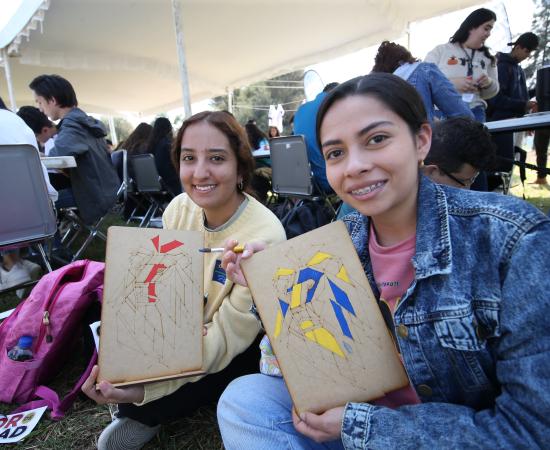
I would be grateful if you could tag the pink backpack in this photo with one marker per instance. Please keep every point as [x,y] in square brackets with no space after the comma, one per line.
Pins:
[53,315]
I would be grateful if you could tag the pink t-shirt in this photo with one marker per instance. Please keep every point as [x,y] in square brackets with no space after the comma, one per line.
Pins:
[393,271]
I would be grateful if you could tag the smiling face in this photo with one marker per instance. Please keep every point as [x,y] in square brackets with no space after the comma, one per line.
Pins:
[478,36]
[208,172]
[372,158]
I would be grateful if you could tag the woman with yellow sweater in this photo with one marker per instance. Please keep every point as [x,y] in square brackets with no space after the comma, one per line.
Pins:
[213,157]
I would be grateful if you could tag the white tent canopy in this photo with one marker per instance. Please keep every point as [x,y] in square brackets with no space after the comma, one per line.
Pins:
[121,55]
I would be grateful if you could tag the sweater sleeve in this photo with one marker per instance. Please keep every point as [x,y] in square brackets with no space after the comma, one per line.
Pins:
[491,90]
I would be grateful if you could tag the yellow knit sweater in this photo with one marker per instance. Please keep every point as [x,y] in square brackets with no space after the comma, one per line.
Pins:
[231,327]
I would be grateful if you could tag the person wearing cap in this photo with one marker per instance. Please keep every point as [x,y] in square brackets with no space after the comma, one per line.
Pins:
[513,98]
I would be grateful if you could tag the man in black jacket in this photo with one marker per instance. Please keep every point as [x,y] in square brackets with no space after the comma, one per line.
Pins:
[513,98]
[94,181]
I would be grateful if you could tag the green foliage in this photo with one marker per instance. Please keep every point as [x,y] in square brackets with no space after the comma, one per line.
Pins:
[541,27]
[123,128]
[252,102]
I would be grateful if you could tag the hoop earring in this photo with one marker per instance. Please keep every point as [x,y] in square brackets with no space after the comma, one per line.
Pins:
[240,185]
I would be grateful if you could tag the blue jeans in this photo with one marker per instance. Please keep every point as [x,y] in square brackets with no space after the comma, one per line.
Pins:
[479,113]
[254,412]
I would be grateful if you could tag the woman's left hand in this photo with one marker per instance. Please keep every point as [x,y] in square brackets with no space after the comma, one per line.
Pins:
[320,427]
[483,81]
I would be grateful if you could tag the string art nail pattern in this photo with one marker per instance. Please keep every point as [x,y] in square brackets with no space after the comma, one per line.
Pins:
[317,317]
[156,295]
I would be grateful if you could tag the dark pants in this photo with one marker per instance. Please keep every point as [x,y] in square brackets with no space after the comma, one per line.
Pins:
[191,396]
[542,136]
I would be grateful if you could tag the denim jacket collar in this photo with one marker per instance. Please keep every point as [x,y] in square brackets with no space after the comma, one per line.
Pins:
[433,243]
[433,253]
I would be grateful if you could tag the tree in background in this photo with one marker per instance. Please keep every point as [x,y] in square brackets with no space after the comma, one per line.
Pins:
[123,128]
[541,27]
[252,102]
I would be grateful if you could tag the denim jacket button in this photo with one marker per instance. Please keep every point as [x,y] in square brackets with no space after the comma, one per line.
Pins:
[424,390]
[403,331]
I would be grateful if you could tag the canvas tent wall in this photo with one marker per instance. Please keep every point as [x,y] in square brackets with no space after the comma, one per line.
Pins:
[121,55]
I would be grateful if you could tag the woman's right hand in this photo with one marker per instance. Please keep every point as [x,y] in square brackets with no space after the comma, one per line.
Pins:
[464,84]
[231,261]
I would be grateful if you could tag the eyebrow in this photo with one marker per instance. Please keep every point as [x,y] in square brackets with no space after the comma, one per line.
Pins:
[210,150]
[360,133]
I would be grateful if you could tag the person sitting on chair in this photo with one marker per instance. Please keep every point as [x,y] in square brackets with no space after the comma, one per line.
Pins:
[94,181]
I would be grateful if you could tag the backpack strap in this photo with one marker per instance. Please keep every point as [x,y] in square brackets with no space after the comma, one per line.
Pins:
[48,397]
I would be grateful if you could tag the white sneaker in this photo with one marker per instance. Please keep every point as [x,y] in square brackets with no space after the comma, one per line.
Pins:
[34,270]
[16,275]
[126,434]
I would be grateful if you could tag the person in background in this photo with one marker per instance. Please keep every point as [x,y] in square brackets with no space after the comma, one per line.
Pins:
[257,138]
[45,132]
[461,148]
[261,179]
[212,155]
[513,98]
[273,132]
[136,142]
[467,63]
[432,85]
[304,124]
[451,266]
[94,181]
[160,144]
[110,146]
[43,128]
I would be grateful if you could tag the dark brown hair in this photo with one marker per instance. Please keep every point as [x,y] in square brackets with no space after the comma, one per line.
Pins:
[235,134]
[390,56]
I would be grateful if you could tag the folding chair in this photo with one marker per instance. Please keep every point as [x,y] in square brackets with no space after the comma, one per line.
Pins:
[149,186]
[306,206]
[291,173]
[28,217]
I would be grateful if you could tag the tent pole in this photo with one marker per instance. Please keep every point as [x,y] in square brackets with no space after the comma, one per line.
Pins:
[177,13]
[8,79]
[230,100]
[112,129]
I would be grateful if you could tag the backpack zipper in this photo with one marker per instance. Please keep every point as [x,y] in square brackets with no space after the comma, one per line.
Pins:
[46,322]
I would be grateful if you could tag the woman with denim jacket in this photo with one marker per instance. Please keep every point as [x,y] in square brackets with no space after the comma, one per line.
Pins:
[470,320]
[432,85]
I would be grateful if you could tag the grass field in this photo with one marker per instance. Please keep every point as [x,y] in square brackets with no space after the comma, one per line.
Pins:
[84,422]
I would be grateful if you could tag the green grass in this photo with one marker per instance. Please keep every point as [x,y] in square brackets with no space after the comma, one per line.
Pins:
[84,422]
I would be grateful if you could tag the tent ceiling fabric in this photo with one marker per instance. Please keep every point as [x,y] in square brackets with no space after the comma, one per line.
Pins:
[121,54]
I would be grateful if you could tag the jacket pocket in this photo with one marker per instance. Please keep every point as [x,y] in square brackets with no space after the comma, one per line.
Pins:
[466,351]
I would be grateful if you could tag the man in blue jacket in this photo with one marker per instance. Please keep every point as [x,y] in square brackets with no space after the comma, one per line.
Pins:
[304,124]
[94,181]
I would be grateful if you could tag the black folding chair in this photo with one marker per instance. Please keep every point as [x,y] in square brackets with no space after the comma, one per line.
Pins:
[148,185]
[306,206]
[27,217]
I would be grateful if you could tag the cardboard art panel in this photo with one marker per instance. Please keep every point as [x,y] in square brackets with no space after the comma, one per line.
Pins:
[152,312]
[323,321]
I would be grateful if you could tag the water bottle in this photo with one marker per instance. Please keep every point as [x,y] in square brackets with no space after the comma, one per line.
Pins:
[22,351]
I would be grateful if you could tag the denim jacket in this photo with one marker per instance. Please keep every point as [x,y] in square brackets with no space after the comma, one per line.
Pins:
[470,328]
[435,89]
